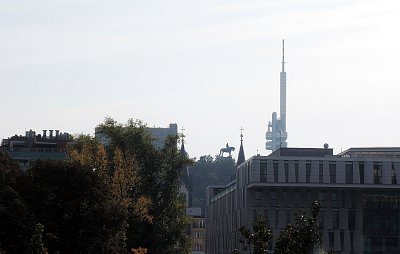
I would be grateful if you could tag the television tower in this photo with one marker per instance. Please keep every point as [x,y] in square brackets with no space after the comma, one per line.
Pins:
[276,135]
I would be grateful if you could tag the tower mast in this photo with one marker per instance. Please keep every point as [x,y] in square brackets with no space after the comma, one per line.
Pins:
[276,135]
[283,90]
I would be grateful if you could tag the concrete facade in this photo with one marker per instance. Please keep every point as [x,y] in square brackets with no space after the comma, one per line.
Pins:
[360,199]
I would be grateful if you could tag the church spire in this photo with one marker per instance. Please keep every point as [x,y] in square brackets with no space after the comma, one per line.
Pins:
[183,151]
[186,182]
[241,157]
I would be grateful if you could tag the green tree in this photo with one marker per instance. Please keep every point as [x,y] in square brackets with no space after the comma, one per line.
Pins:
[303,235]
[156,189]
[16,221]
[258,240]
[76,208]
[36,245]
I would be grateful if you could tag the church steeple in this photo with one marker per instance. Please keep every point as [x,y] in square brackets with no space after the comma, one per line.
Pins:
[183,151]
[241,157]
[186,182]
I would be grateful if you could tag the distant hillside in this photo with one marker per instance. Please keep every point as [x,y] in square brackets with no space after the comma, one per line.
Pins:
[208,171]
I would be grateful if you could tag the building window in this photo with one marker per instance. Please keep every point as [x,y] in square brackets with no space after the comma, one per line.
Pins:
[273,195]
[266,216]
[321,219]
[334,199]
[263,171]
[321,172]
[296,171]
[321,198]
[394,178]
[361,169]
[308,171]
[349,172]
[377,172]
[351,241]
[198,247]
[331,237]
[276,217]
[332,171]
[352,199]
[351,217]
[288,216]
[286,164]
[258,195]
[197,235]
[258,198]
[335,219]
[202,224]
[276,168]
[341,240]
[343,199]
[248,172]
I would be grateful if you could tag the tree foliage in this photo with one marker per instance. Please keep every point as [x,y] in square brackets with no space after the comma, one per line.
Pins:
[303,235]
[258,240]
[58,206]
[145,180]
[298,238]
[16,221]
[105,199]
[36,245]
[76,208]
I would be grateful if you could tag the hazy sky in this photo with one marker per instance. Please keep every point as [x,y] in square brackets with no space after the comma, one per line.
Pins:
[211,66]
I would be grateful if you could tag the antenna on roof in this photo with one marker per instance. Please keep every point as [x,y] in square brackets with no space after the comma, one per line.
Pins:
[283,55]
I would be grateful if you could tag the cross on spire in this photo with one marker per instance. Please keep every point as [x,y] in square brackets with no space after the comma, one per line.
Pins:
[241,157]
[182,135]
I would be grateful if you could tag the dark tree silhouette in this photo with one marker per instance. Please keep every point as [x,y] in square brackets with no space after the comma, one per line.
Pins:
[303,235]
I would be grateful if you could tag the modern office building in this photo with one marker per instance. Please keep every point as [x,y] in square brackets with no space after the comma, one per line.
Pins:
[276,135]
[161,134]
[359,190]
[26,149]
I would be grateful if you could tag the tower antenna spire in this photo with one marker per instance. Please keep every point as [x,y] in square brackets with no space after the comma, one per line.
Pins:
[283,55]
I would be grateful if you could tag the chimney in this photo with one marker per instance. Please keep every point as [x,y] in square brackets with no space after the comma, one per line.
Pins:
[57,133]
[51,134]
[44,133]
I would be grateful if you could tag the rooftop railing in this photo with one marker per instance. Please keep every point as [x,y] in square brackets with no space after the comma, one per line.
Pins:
[33,150]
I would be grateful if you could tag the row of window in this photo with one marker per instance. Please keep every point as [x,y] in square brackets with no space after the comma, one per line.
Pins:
[198,235]
[199,224]
[289,214]
[349,171]
[305,197]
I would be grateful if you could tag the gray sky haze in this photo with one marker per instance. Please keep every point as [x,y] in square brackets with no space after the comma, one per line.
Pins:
[210,66]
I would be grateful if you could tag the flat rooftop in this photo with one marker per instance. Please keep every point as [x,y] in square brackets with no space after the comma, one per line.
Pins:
[371,152]
[302,152]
